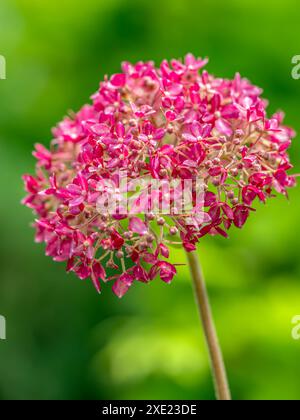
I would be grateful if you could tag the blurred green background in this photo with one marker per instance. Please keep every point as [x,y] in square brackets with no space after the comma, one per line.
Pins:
[63,340]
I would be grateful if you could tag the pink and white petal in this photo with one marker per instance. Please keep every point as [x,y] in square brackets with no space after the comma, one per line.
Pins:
[136,225]
[224,127]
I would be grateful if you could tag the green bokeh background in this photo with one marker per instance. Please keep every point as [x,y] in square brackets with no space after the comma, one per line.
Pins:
[63,340]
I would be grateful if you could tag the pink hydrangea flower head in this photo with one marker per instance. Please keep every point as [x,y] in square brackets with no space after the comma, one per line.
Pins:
[175,122]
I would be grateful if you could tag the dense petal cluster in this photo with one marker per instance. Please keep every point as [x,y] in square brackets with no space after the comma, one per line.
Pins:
[172,122]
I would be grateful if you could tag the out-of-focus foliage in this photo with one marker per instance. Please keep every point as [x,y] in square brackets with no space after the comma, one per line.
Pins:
[63,340]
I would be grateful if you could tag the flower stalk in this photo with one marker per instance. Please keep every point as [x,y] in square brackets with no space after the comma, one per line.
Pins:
[215,352]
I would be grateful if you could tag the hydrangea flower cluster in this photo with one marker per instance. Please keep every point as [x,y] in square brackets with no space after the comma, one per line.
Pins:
[172,122]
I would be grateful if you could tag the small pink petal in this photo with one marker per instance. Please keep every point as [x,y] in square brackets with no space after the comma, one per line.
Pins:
[224,127]
[137,226]
[122,285]
[118,80]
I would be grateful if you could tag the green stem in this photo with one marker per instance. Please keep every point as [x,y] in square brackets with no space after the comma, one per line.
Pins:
[217,362]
